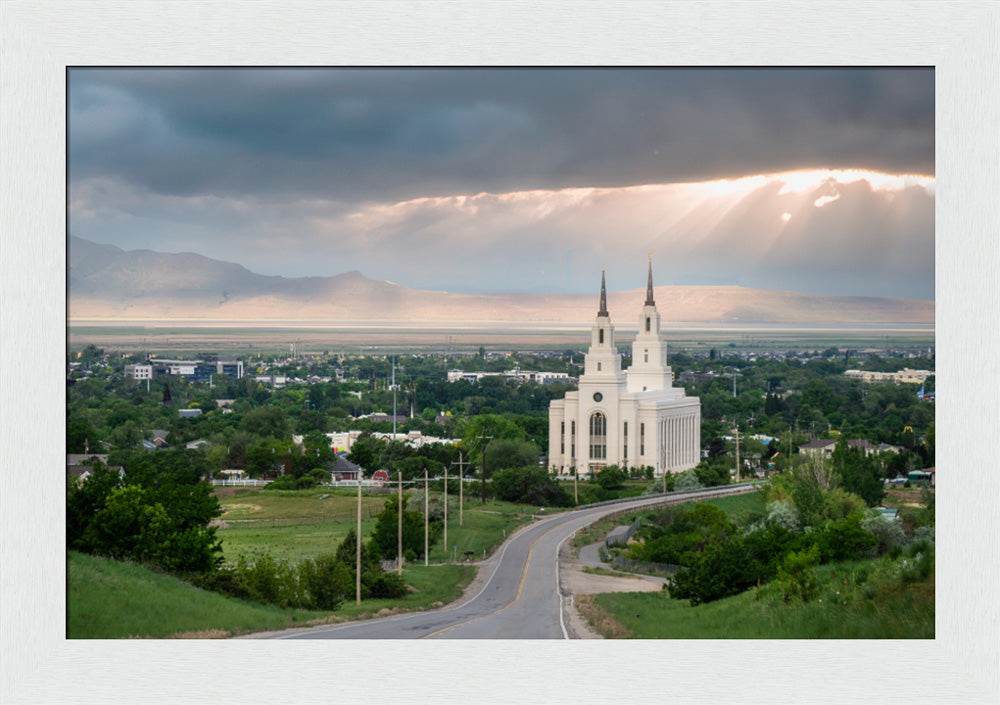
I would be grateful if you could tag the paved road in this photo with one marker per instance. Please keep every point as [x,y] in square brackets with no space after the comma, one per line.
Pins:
[520,600]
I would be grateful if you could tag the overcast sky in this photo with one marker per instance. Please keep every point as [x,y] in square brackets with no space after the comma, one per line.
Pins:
[520,179]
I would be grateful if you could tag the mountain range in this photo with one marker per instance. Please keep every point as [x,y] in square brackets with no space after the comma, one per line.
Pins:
[108,283]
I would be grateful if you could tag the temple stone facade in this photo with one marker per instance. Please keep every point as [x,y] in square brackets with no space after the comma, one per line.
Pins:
[629,418]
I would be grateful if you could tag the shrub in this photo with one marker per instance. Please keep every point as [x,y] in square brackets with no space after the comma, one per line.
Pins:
[924,533]
[783,513]
[326,580]
[887,532]
[612,477]
[796,575]
[382,584]
[845,539]
[270,581]
[687,480]
[721,570]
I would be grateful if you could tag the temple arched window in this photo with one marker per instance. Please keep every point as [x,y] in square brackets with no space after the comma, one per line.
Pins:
[598,436]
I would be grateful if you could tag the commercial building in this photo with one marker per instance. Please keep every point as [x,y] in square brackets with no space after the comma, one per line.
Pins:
[904,376]
[516,375]
[139,371]
[193,370]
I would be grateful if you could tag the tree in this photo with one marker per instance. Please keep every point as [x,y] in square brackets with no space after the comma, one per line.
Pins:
[317,448]
[858,472]
[87,498]
[366,451]
[160,514]
[126,436]
[262,457]
[509,453]
[384,542]
[530,485]
[712,474]
[81,436]
[491,426]
[612,477]
[266,421]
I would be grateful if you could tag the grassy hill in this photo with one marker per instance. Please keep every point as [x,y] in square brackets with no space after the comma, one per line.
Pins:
[857,600]
[110,599]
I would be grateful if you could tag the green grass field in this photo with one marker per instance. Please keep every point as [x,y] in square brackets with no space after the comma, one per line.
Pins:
[292,525]
[853,603]
[484,527]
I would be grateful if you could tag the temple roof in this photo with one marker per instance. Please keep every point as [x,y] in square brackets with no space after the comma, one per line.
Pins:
[649,283]
[604,298]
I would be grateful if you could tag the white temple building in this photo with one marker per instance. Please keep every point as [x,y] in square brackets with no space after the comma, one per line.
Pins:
[626,418]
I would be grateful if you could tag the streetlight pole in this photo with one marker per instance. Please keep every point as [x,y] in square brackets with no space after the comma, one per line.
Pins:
[399,526]
[734,374]
[357,571]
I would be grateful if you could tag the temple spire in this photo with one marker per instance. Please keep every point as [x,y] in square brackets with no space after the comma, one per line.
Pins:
[649,282]
[604,298]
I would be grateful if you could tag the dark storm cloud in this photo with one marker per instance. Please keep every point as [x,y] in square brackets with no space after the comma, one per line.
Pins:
[380,134]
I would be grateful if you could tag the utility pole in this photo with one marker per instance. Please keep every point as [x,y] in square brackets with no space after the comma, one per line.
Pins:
[357,572]
[576,498]
[426,520]
[461,487]
[446,509]
[483,474]
[393,397]
[737,451]
[399,527]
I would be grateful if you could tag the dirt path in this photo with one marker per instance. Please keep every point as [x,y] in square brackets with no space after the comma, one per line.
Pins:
[574,583]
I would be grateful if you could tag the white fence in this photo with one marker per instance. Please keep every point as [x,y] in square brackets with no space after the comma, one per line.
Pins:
[335,483]
[241,483]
